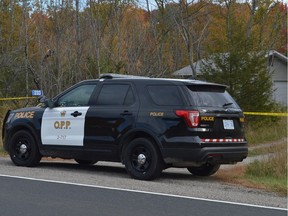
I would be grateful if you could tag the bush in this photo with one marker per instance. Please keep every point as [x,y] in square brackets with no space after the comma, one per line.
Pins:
[264,131]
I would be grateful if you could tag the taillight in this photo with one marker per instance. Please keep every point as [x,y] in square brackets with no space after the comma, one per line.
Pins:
[191,117]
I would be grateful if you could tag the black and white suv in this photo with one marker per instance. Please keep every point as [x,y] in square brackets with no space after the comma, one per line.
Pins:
[148,124]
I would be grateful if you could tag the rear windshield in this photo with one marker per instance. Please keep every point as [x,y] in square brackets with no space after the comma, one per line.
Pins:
[210,96]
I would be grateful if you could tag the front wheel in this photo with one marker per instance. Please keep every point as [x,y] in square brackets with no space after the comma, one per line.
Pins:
[23,149]
[204,170]
[142,160]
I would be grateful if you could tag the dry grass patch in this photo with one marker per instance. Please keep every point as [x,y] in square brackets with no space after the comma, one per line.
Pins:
[236,175]
[269,174]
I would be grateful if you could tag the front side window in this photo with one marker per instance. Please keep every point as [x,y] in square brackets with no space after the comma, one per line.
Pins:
[79,96]
[116,94]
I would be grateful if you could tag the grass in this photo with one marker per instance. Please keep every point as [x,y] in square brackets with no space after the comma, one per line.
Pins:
[2,152]
[240,176]
[235,175]
[266,131]
[269,173]
[3,109]
[274,148]
[278,186]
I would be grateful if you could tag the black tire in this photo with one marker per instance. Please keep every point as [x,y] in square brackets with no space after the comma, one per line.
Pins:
[142,160]
[23,149]
[85,162]
[205,170]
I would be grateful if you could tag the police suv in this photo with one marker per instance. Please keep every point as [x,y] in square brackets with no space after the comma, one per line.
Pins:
[148,124]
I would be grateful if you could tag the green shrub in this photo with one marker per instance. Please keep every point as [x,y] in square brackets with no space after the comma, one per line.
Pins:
[258,132]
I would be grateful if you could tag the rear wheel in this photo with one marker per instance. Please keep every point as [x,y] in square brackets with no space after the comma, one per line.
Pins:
[23,149]
[205,170]
[85,162]
[142,160]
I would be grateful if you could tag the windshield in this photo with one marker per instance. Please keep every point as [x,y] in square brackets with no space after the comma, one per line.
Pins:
[211,96]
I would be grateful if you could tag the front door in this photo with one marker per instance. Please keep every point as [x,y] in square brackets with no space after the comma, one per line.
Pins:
[64,125]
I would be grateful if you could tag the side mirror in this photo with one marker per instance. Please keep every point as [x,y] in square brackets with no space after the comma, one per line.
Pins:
[46,101]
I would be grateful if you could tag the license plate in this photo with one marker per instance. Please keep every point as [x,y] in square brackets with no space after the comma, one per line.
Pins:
[228,124]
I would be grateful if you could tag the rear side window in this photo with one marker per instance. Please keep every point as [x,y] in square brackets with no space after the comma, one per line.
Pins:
[165,95]
[210,96]
[112,94]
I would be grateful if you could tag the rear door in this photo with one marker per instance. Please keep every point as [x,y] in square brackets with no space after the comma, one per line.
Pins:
[113,113]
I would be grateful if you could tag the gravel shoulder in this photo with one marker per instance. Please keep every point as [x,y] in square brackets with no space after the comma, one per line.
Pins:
[172,181]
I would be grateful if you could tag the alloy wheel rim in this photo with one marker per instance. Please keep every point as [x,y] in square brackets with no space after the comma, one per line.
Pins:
[22,150]
[141,159]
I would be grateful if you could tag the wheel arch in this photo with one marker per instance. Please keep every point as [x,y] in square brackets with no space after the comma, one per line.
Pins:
[139,133]
[24,127]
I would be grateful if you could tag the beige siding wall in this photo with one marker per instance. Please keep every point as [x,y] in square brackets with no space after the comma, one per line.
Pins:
[279,70]
[279,78]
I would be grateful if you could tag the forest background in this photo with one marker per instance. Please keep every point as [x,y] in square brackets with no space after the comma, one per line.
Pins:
[53,44]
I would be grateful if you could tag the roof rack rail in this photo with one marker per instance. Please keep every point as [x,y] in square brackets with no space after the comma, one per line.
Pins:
[113,76]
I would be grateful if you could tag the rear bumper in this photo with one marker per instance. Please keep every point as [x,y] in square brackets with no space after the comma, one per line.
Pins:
[212,153]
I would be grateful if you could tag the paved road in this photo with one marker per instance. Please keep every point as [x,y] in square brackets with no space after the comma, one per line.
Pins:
[28,197]
[172,181]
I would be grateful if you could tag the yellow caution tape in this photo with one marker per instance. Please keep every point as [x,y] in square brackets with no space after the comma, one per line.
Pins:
[16,98]
[246,113]
[266,114]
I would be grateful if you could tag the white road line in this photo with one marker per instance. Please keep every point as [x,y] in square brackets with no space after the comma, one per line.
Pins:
[144,192]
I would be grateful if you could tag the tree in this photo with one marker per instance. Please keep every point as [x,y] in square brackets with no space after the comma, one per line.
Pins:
[52,44]
[192,29]
[12,59]
[246,76]
[241,61]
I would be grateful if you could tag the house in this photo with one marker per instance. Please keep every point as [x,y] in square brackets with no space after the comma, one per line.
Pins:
[277,64]
[278,67]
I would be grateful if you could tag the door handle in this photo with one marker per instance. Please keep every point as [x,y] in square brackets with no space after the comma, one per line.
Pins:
[76,113]
[125,113]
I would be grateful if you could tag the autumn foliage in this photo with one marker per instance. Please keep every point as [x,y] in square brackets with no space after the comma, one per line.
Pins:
[51,45]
